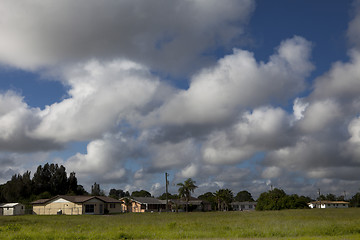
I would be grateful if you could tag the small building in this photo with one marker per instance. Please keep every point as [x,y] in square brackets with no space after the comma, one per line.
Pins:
[328,204]
[143,204]
[76,205]
[11,209]
[194,204]
[243,206]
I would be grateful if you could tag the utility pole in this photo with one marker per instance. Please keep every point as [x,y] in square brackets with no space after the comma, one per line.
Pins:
[166,190]
[319,197]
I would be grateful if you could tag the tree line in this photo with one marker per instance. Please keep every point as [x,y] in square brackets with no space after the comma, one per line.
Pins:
[48,181]
[51,180]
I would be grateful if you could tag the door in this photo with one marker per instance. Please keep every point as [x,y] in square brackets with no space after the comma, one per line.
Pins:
[101,209]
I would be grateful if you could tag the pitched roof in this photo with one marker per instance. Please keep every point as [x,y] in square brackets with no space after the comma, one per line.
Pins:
[147,200]
[9,204]
[77,199]
[329,202]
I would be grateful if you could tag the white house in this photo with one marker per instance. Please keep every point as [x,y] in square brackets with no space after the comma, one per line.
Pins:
[9,209]
[328,204]
[243,206]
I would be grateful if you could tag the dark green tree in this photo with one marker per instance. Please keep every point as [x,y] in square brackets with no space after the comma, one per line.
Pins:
[210,197]
[355,200]
[116,193]
[141,193]
[185,190]
[96,191]
[224,197]
[170,196]
[244,196]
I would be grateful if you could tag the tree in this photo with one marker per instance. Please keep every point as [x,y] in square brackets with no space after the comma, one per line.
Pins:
[277,199]
[116,193]
[72,183]
[224,197]
[210,197]
[355,200]
[141,193]
[170,196]
[96,191]
[185,190]
[244,196]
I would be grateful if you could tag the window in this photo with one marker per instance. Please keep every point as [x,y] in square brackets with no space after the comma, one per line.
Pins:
[112,205]
[250,206]
[89,208]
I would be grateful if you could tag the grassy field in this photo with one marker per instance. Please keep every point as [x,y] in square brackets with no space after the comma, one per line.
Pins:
[289,224]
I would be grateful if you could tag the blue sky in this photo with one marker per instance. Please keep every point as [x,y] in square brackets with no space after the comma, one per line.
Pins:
[236,94]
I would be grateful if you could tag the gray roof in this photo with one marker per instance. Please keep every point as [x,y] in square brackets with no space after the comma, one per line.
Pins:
[77,199]
[147,200]
[243,203]
[9,205]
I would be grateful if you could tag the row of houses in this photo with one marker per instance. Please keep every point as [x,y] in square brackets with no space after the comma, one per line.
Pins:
[79,205]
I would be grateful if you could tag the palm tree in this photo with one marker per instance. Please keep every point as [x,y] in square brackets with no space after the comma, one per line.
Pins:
[185,190]
[224,197]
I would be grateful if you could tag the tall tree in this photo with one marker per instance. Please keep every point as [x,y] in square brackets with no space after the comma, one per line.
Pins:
[355,200]
[141,193]
[210,197]
[224,197]
[185,190]
[244,196]
[96,191]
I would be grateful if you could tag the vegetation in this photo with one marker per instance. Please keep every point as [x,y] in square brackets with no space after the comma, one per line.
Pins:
[141,193]
[286,224]
[223,198]
[244,196]
[49,180]
[185,190]
[277,199]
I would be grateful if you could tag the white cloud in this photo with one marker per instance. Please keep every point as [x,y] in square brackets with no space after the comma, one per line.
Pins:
[319,116]
[100,97]
[239,82]
[263,129]
[40,33]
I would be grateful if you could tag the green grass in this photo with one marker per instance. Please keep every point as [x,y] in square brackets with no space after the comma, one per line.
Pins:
[289,224]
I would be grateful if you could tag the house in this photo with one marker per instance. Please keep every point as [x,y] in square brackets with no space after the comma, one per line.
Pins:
[76,205]
[10,209]
[328,204]
[243,206]
[143,204]
[194,204]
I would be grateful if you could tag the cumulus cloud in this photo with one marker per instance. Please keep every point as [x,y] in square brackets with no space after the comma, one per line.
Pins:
[239,82]
[40,33]
[17,120]
[105,159]
[101,96]
[263,129]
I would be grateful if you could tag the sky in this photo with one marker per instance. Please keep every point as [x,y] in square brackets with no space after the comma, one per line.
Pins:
[238,94]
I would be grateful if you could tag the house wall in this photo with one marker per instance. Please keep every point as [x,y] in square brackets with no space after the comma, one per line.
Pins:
[1,211]
[117,207]
[19,209]
[67,208]
[136,207]
[99,206]
[8,211]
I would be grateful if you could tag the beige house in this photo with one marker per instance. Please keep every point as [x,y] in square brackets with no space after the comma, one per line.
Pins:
[10,209]
[328,204]
[143,204]
[243,206]
[76,205]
